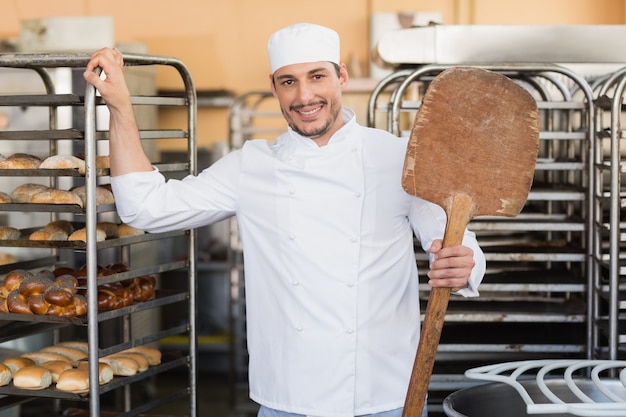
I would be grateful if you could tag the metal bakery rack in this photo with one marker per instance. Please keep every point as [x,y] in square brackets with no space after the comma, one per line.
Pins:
[107,332]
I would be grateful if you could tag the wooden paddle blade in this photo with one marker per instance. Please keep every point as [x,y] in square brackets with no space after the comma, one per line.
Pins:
[476,133]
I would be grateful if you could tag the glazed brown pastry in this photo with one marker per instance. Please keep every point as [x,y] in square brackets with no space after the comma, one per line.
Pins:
[37,304]
[13,280]
[32,377]
[63,162]
[17,303]
[142,288]
[35,285]
[53,196]
[9,233]
[23,193]
[20,161]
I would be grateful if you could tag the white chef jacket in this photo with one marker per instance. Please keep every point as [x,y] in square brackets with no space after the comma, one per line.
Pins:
[330,273]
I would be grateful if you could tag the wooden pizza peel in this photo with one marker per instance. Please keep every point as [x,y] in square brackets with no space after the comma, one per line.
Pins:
[472,150]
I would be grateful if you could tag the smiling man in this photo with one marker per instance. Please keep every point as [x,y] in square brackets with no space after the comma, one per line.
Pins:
[332,304]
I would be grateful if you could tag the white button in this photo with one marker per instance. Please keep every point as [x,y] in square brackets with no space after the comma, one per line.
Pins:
[292,236]
[353,239]
[354,149]
[292,192]
[349,331]
[350,284]
[357,194]
[295,283]
[290,156]
[299,328]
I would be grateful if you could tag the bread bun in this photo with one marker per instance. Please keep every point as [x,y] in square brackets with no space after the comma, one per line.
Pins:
[142,361]
[66,282]
[64,225]
[17,362]
[58,296]
[23,193]
[125,230]
[105,372]
[35,285]
[74,380]
[7,258]
[103,162]
[110,229]
[9,233]
[75,344]
[81,235]
[153,355]
[32,377]
[54,196]
[56,368]
[5,198]
[63,162]
[73,354]
[14,278]
[103,195]
[38,304]
[121,365]
[5,375]
[40,357]
[20,161]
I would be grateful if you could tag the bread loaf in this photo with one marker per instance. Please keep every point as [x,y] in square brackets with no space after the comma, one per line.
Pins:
[9,233]
[40,357]
[17,362]
[48,234]
[121,365]
[125,230]
[72,354]
[103,196]
[23,193]
[110,229]
[75,344]
[5,198]
[105,372]
[56,368]
[81,234]
[54,196]
[7,258]
[64,225]
[74,380]
[142,361]
[5,375]
[32,377]
[63,162]
[153,355]
[20,161]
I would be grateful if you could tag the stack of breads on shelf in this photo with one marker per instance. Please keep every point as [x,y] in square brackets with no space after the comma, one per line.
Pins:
[63,230]
[62,292]
[65,364]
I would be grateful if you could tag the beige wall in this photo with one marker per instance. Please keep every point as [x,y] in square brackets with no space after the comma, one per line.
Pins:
[223,41]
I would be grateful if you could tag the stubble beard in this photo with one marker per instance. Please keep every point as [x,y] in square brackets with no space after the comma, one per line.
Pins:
[314,132]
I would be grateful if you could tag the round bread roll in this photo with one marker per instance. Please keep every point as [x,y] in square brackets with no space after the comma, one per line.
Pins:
[7,258]
[121,365]
[153,355]
[142,361]
[74,380]
[54,196]
[17,362]
[63,162]
[75,344]
[5,375]
[23,193]
[32,377]
[20,161]
[109,228]
[105,372]
[73,354]
[103,195]
[41,357]
[17,303]
[5,198]
[56,368]
[81,234]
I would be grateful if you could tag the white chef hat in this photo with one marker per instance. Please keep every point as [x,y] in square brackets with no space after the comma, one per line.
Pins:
[302,42]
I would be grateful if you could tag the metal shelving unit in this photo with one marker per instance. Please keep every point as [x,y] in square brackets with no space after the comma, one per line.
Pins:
[93,139]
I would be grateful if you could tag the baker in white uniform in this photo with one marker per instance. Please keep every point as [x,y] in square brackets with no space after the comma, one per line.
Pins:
[327,230]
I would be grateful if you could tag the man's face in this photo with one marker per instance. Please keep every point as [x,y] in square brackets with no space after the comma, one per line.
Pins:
[310,98]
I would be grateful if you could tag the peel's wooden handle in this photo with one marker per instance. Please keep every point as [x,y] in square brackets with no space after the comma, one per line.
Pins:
[458,217]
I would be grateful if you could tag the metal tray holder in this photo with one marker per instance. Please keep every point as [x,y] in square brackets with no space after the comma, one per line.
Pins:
[511,373]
